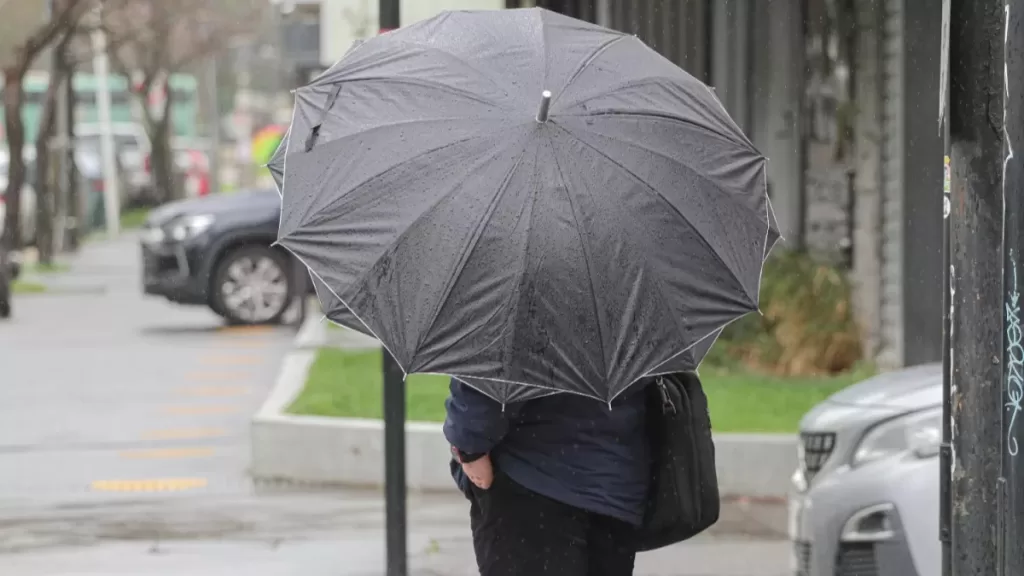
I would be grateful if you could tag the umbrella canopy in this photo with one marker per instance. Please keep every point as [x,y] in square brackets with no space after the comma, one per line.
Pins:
[528,202]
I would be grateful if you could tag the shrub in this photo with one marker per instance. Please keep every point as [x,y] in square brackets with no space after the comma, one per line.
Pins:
[807,324]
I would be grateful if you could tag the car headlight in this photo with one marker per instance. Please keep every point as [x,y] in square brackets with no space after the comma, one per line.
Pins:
[919,433]
[191,226]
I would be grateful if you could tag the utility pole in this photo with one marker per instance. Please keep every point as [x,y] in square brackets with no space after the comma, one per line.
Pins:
[394,412]
[213,111]
[946,448]
[1011,481]
[101,68]
[976,161]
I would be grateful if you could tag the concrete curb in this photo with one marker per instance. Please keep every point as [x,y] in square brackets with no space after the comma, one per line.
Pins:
[753,469]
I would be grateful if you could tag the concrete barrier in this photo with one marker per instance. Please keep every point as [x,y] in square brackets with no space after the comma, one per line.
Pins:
[349,451]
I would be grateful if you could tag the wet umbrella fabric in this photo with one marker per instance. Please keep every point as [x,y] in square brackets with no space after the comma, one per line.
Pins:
[524,254]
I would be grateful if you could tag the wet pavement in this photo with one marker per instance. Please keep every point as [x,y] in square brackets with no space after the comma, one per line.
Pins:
[124,446]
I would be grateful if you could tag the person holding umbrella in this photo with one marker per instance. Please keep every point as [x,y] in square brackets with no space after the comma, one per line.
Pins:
[557,485]
[552,214]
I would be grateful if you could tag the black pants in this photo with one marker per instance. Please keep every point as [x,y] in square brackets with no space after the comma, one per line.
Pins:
[517,532]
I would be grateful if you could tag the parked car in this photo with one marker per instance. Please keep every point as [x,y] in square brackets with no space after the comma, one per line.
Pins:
[28,195]
[133,149]
[192,162]
[215,251]
[865,498]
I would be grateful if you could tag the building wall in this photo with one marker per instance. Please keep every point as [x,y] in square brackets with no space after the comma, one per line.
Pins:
[345,21]
[921,241]
[868,187]
[776,96]
[891,315]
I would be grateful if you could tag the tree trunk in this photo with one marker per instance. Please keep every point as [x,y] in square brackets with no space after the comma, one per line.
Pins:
[13,96]
[45,182]
[75,207]
[161,156]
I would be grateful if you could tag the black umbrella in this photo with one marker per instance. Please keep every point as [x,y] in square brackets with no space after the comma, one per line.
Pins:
[527,202]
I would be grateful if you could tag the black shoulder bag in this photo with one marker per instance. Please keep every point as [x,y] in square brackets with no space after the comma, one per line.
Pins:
[683,500]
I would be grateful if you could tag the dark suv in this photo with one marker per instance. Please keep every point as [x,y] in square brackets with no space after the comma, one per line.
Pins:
[216,251]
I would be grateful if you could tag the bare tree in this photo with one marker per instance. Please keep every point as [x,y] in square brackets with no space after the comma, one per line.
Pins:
[166,38]
[46,199]
[64,15]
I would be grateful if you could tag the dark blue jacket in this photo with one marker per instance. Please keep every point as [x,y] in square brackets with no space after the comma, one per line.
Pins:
[569,448]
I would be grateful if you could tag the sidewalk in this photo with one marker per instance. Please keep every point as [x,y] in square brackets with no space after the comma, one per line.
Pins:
[336,534]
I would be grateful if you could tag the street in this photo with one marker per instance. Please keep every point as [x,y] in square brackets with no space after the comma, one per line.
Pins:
[124,449]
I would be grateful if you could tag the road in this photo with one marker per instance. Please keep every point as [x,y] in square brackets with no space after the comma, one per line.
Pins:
[124,446]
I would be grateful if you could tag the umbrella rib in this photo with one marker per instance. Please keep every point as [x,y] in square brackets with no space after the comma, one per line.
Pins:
[586,258]
[676,210]
[657,80]
[424,83]
[455,57]
[586,62]
[687,167]
[467,252]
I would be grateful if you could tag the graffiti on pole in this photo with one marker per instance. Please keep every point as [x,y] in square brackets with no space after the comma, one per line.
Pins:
[1015,362]
[947,177]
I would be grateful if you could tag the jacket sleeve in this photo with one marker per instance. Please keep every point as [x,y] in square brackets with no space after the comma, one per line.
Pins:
[474,424]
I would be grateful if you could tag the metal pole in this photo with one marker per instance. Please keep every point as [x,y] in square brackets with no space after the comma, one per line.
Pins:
[111,194]
[1011,485]
[946,449]
[213,96]
[976,158]
[394,412]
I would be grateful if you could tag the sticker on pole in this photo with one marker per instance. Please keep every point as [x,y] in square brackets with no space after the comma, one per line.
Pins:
[946,178]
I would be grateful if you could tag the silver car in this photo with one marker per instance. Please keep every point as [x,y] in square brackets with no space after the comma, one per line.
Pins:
[865,499]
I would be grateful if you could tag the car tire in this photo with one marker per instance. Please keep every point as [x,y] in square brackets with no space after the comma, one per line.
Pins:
[252,285]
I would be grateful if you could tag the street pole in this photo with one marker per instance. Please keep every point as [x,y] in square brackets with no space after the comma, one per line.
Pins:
[111,194]
[394,412]
[213,110]
[1011,481]
[976,159]
[946,448]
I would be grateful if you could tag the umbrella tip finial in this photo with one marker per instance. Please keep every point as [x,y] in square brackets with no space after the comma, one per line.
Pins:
[545,105]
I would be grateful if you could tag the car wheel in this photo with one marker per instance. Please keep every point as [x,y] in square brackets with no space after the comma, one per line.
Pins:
[251,285]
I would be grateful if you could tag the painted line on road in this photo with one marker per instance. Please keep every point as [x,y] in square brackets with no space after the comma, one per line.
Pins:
[215,391]
[151,485]
[200,410]
[185,434]
[244,330]
[232,360]
[239,344]
[218,376]
[167,453]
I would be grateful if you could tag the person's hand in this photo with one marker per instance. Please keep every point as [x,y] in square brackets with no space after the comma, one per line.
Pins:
[480,472]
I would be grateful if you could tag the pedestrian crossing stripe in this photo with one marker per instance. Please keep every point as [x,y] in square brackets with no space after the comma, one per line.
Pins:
[151,485]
